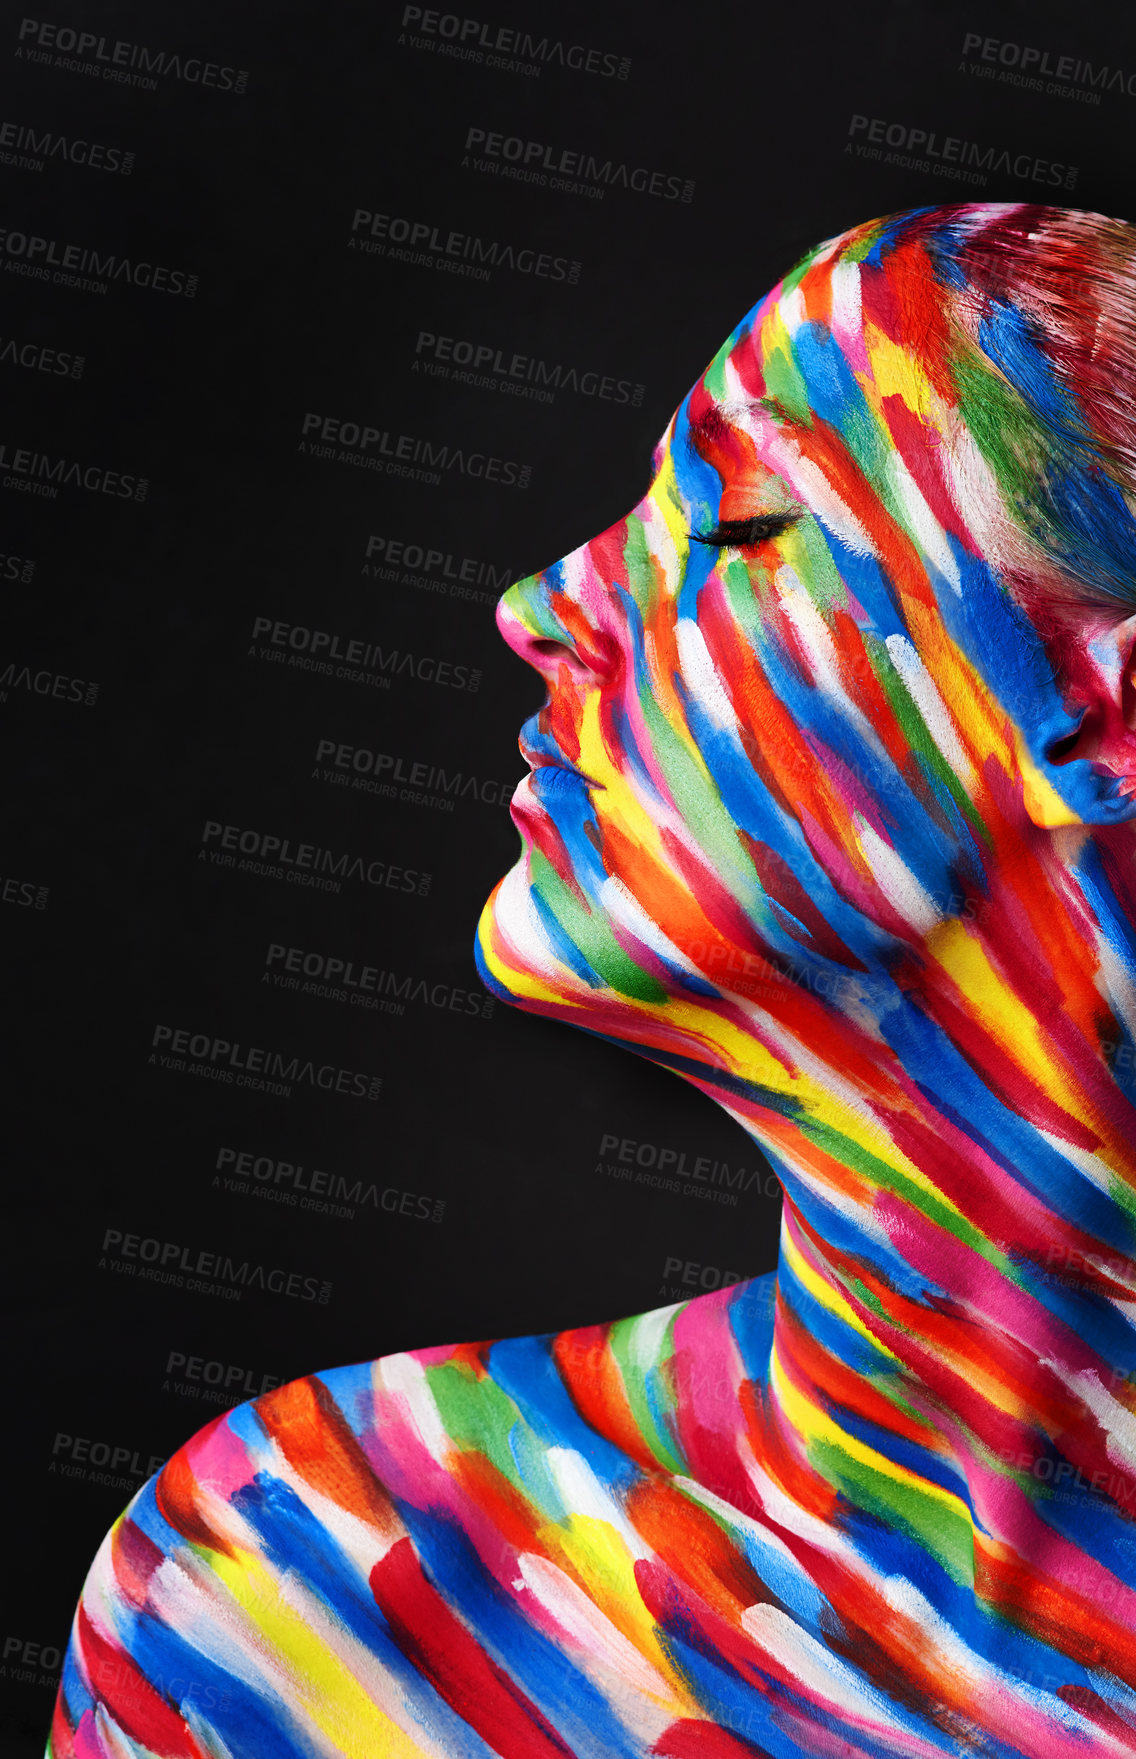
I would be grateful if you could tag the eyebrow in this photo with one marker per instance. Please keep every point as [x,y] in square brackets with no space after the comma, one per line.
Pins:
[709,426]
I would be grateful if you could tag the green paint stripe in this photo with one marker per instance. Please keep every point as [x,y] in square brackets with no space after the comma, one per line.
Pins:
[947,1533]
[914,727]
[476,1414]
[590,934]
[620,1339]
[695,794]
[927,1202]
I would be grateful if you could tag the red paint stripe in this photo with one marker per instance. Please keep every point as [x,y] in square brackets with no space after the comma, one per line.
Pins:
[817,1370]
[62,1742]
[119,1683]
[135,1558]
[511,1514]
[176,1494]
[917,444]
[680,1612]
[689,1739]
[445,1652]
[591,1376]
[891,1649]
[315,1438]
[1092,1706]
[1071,1624]
[696,1548]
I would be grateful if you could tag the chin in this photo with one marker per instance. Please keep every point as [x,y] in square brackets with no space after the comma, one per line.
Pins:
[511,948]
[524,957]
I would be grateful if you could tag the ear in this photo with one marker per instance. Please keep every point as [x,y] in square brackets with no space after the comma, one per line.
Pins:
[1098,666]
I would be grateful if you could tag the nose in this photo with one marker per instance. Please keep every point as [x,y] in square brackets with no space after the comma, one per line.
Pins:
[1102,673]
[565,619]
[532,629]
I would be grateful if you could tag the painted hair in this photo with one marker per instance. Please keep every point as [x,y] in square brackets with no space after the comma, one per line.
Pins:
[1046,297]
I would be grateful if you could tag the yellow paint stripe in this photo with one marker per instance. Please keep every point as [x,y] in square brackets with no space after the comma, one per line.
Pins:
[592,1551]
[321,1683]
[667,500]
[989,997]
[1042,801]
[896,372]
[518,979]
[813,1424]
[823,1292]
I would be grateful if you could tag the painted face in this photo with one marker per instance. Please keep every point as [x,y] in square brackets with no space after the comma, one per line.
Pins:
[832,811]
[867,638]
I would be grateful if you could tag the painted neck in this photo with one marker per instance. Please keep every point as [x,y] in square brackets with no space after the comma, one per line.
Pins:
[955,1335]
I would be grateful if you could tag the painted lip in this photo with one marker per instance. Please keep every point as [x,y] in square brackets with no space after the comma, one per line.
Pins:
[544,757]
[546,789]
[549,784]
[547,767]
[1124,781]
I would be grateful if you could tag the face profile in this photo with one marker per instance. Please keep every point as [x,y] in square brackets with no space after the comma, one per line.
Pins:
[830,811]
[878,597]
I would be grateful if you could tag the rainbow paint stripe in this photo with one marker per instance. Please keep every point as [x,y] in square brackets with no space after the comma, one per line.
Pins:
[830,814]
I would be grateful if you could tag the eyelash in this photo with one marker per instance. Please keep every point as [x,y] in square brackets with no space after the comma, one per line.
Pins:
[744,533]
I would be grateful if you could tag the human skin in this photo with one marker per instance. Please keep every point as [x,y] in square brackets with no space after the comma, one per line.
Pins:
[832,813]
[834,820]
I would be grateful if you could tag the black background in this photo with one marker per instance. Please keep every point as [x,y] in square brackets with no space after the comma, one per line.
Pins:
[519,1142]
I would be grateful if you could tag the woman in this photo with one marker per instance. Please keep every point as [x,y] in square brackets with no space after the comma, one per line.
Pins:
[830,811]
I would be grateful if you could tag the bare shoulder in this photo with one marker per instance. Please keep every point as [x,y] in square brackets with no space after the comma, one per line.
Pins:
[359,1545]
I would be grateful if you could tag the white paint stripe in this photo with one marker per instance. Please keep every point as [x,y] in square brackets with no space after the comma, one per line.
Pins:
[593,1632]
[820,648]
[403,1376]
[847,321]
[936,717]
[896,880]
[818,1669]
[701,676]
[582,1493]
[925,526]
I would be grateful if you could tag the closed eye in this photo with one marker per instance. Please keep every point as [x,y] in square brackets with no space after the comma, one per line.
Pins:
[744,533]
